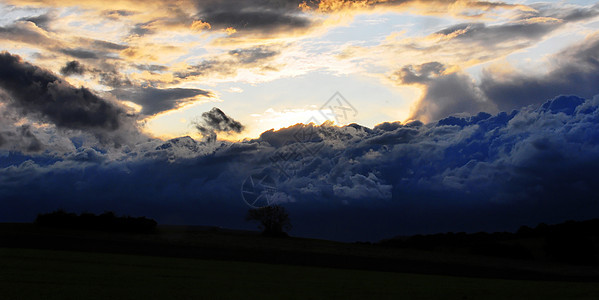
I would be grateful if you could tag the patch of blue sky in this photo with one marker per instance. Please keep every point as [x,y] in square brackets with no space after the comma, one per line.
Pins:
[367,29]
[420,25]
[12,13]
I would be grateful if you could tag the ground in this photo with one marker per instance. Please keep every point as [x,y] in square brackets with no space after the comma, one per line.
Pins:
[256,267]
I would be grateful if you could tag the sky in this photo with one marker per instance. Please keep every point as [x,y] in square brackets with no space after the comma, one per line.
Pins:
[365,118]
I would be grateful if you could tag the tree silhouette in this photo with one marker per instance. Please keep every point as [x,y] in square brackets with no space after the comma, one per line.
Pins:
[274,219]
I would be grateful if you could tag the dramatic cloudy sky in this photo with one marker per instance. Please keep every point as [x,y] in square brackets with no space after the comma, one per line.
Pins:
[450,114]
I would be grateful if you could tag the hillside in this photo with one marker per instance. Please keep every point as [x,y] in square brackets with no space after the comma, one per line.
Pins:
[220,244]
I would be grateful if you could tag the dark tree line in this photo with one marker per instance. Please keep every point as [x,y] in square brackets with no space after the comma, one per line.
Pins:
[570,242]
[107,221]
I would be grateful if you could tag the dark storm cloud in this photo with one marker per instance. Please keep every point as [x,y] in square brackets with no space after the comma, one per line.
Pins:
[72,67]
[155,100]
[258,19]
[37,92]
[575,70]
[261,15]
[216,121]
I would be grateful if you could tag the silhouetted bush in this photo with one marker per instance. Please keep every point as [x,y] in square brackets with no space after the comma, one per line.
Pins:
[570,242]
[107,221]
[274,220]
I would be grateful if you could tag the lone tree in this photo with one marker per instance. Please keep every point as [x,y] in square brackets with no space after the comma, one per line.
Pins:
[274,220]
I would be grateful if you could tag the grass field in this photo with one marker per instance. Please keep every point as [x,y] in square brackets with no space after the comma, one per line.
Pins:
[47,274]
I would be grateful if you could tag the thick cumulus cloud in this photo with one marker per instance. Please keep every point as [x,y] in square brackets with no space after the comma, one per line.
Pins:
[450,94]
[42,96]
[481,172]
[572,71]
[17,137]
[444,94]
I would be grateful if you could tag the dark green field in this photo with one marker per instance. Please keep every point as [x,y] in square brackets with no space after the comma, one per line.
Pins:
[196,263]
[47,274]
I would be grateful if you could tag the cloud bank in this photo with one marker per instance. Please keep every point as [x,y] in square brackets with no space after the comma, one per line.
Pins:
[481,172]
